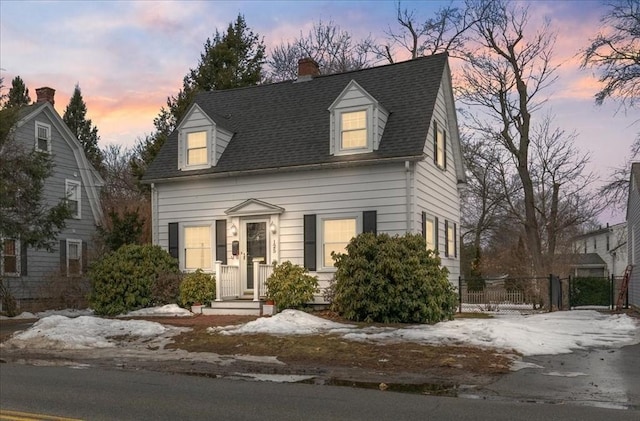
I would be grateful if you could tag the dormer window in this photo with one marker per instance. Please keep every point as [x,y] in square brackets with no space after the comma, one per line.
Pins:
[357,121]
[43,137]
[353,131]
[196,148]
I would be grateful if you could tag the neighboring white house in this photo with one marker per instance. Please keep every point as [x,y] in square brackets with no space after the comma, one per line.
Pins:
[602,252]
[294,170]
[633,225]
[25,270]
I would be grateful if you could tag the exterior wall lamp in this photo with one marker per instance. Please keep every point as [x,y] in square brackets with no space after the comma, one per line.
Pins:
[273,228]
[234,230]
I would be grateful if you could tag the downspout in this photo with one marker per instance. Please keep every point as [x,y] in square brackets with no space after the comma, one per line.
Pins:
[154,214]
[407,171]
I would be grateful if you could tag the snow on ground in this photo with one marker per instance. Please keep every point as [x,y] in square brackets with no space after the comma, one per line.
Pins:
[547,333]
[42,314]
[169,310]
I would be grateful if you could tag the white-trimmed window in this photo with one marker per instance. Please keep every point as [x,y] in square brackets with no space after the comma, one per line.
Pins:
[10,264]
[74,257]
[439,146]
[430,234]
[74,197]
[43,137]
[353,130]
[451,241]
[335,234]
[197,247]
[196,148]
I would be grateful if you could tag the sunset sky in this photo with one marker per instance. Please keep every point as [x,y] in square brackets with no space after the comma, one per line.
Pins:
[128,57]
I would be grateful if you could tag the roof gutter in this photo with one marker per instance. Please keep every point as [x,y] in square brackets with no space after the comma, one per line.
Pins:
[342,164]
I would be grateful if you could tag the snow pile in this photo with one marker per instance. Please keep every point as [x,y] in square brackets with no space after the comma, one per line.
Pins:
[169,310]
[40,315]
[548,333]
[289,322]
[84,332]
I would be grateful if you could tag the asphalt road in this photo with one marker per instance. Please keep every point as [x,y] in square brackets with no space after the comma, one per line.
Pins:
[606,378]
[96,394]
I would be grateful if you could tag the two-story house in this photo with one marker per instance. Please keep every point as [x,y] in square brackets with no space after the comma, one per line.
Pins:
[601,252]
[25,270]
[294,170]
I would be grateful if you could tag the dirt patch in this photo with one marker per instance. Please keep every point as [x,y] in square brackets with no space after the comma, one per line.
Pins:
[335,359]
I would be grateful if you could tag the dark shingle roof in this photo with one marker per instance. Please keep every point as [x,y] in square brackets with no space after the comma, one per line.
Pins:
[287,124]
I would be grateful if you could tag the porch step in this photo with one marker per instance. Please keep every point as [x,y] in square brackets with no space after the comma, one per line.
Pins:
[234,307]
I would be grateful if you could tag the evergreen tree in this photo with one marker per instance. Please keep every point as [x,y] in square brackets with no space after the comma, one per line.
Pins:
[233,59]
[18,94]
[75,116]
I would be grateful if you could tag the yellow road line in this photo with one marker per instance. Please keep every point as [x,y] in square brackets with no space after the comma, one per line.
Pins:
[27,416]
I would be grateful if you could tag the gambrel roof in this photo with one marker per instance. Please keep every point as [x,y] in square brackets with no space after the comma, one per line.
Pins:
[286,125]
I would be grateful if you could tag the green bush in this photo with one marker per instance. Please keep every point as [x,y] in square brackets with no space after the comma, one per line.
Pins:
[124,280]
[590,291]
[291,286]
[197,288]
[390,280]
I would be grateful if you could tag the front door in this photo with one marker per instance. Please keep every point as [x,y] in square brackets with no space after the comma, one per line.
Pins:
[255,247]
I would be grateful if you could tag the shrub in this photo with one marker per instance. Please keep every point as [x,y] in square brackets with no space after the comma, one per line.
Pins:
[392,279]
[123,280]
[166,289]
[197,288]
[291,286]
[9,305]
[60,291]
[590,291]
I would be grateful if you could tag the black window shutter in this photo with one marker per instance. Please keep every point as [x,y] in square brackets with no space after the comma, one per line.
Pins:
[455,239]
[436,232]
[85,257]
[173,240]
[446,238]
[435,142]
[310,242]
[424,225]
[23,259]
[63,257]
[221,240]
[370,222]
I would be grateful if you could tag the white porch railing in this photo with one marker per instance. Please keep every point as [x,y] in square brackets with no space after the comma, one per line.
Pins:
[229,284]
[227,281]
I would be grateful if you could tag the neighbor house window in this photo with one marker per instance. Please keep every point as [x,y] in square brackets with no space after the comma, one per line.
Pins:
[336,234]
[585,247]
[10,256]
[43,137]
[73,193]
[197,247]
[74,257]
[197,148]
[594,244]
[439,146]
[353,130]
[608,245]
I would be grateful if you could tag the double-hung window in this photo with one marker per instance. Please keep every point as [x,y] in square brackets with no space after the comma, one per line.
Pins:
[439,146]
[196,148]
[431,232]
[74,257]
[10,257]
[197,247]
[74,195]
[353,130]
[43,137]
[336,234]
[451,241]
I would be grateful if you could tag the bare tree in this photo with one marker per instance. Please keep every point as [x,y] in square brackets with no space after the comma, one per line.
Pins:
[565,201]
[615,53]
[505,78]
[447,31]
[332,48]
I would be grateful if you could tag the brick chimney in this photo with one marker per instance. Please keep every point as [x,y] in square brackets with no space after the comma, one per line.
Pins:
[307,68]
[45,94]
